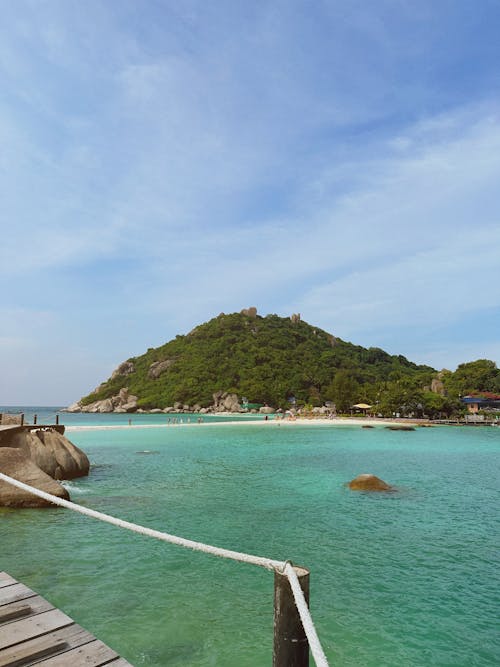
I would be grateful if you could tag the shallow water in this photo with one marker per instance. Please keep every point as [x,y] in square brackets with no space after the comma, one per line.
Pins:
[406,578]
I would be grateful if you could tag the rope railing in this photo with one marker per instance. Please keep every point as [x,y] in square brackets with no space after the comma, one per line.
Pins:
[282,567]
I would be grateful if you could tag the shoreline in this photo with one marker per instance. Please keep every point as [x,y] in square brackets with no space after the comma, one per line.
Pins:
[299,421]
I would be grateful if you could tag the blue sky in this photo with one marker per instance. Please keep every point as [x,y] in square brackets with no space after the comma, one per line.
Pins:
[161,162]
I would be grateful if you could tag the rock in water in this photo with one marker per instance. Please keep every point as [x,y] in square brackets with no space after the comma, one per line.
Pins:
[52,452]
[15,464]
[400,428]
[368,482]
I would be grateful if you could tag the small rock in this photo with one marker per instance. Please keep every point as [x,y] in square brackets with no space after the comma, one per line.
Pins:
[367,482]
[400,428]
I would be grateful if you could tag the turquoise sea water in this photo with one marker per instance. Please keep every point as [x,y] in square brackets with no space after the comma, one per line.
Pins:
[406,578]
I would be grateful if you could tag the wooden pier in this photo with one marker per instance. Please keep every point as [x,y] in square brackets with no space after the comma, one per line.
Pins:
[34,632]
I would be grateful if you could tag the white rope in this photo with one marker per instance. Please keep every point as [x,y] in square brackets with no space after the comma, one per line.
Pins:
[268,563]
[284,567]
[305,616]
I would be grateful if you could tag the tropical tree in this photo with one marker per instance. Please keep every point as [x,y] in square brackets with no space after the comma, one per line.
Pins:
[344,390]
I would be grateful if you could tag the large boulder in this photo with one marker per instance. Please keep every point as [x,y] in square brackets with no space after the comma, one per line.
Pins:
[217,396]
[71,461]
[231,403]
[367,482]
[121,402]
[249,312]
[106,405]
[130,405]
[159,367]
[53,453]
[15,464]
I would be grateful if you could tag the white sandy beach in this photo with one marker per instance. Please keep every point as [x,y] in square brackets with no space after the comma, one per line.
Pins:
[271,423]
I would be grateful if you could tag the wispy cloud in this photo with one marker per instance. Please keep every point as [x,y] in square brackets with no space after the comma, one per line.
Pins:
[161,164]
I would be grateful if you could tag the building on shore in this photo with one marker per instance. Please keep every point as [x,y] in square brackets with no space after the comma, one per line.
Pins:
[483,401]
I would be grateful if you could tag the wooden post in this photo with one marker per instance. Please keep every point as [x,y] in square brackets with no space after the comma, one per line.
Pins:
[22,419]
[34,419]
[291,648]
[57,419]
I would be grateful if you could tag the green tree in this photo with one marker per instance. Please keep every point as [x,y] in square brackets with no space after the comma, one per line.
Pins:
[344,390]
[403,396]
[474,376]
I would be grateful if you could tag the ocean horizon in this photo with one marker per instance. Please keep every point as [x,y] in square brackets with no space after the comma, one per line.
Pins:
[404,578]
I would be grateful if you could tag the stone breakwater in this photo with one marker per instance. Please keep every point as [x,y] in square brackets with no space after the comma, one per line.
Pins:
[38,457]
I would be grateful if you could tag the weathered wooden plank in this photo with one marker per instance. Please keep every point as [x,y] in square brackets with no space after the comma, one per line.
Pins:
[21,655]
[33,626]
[92,654]
[6,580]
[13,611]
[45,636]
[71,635]
[37,604]
[15,593]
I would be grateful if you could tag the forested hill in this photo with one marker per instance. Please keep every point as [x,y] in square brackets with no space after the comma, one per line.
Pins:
[265,359]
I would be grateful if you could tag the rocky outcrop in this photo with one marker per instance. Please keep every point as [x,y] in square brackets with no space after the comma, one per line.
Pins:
[159,367]
[225,402]
[332,340]
[14,463]
[125,401]
[38,458]
[266,410]
[125,368]
[367,482]
[437,386]
[74,407]
[248,312]
[295,318]
[53,453]
[323,410]
[122,402]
